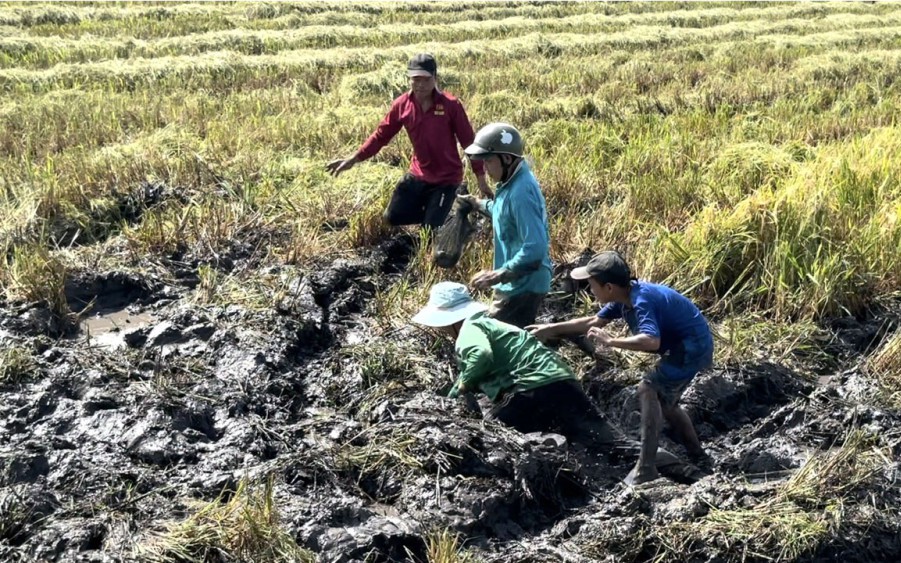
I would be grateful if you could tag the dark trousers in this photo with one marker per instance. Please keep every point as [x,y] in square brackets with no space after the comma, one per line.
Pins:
[518,310]
[564,408]
[415,202]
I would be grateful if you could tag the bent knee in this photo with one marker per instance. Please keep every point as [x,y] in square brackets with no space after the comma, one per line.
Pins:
[669,411]
[390,218]
[645,389]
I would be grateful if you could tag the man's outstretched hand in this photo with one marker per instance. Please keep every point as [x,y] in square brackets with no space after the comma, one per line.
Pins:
[599,337]
[542,332]
[336,167]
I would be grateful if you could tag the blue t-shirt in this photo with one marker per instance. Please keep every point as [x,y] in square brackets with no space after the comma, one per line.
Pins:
[662,312]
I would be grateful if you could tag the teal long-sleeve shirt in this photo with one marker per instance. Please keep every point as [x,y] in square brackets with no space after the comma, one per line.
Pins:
[521,240]
[495,357]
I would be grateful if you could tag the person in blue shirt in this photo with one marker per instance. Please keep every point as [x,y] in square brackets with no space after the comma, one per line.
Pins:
[521,276]
[661,321]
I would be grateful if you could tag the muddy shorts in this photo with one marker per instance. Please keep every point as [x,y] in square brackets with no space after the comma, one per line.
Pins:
[415,202]
[675,371]
[518,310]
[669,391]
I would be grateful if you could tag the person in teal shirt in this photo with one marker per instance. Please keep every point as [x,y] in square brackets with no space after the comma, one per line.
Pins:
[522,264]
[531,387]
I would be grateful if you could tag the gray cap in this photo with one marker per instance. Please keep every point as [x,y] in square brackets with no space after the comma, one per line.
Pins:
[606,267]
[423,64]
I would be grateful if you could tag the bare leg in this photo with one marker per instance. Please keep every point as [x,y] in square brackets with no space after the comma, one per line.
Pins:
[685,430]
[651,421]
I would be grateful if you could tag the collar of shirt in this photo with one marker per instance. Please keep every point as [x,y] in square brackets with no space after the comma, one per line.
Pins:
[437,95]
[522,165]
[632,291]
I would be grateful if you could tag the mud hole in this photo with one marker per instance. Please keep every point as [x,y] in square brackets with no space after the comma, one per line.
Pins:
[103,443]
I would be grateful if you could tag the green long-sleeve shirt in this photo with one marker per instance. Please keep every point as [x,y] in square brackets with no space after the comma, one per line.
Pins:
[495,357]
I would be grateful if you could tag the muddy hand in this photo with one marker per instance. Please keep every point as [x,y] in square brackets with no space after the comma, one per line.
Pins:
[336,167]
[541,332]
[486,279]
[468,201]
[598,337]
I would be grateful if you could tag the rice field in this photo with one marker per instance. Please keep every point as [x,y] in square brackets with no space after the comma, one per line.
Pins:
[748,154]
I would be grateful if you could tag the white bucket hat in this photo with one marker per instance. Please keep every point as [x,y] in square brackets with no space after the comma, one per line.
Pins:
[449,302]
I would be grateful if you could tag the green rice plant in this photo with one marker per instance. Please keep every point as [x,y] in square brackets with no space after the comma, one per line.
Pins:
[364,213]
[741,169]
[739,339]
[395,305]
[210,225]
[799,250]
[244,526]
[443,546]
[17,364]
[401,300]
[32,273]
[885,366]
[208,283]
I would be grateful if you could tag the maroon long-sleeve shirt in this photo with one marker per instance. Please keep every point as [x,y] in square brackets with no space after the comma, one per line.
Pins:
[434,134]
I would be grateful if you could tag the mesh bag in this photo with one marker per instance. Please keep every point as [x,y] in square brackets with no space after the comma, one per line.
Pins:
[452,236]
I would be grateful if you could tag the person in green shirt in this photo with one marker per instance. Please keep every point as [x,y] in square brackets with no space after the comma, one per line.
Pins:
[531,387]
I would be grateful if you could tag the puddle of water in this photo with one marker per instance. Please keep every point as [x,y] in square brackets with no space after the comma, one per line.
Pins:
[107,329]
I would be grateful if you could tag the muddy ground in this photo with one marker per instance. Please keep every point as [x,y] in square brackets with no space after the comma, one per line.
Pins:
[106,438]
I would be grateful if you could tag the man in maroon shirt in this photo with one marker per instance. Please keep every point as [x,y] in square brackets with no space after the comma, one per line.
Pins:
[435,122]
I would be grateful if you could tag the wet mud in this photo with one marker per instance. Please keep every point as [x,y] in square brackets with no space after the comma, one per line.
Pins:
[102,443]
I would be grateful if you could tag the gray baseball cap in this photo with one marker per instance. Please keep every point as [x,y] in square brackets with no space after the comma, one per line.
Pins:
[606,267]
[423,64]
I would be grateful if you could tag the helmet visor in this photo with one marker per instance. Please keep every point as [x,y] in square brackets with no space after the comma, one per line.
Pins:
[477,152]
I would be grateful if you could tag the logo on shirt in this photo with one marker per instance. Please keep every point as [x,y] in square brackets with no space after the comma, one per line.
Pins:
[439,109]
[506,137]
